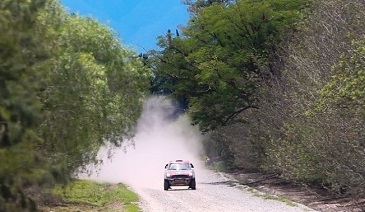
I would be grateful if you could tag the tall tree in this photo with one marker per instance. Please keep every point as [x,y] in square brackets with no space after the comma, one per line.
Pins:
[222,58]
[326,143]
[195,5]
[21,50]
[92,94]
[67,86]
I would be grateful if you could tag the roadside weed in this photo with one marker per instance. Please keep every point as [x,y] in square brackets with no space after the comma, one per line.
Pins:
[98,195]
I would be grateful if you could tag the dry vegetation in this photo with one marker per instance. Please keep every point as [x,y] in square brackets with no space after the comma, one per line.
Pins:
[304,130]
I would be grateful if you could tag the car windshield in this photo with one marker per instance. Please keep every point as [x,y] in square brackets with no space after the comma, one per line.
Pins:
[179,166]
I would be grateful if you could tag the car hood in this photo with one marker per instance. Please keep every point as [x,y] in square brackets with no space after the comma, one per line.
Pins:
[179,172]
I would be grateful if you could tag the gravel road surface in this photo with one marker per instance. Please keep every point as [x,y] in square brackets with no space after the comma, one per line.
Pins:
[162,136]
[215,192]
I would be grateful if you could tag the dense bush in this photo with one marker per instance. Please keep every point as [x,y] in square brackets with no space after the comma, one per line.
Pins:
[317,136]
[67,85]
[310,121]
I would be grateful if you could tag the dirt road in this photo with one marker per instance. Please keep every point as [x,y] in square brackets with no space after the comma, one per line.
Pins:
[161,136]
[214,193]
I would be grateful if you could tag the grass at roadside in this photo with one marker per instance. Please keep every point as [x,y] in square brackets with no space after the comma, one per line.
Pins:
[98,196]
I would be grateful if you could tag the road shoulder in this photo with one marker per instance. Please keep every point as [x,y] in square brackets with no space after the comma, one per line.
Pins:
[316,198]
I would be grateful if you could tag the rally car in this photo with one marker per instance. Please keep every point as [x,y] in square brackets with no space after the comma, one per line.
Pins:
[179,173]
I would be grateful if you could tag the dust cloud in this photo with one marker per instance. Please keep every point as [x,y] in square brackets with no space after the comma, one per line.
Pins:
[161,136]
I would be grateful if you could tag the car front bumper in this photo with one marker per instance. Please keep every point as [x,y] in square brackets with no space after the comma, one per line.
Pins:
[179,181]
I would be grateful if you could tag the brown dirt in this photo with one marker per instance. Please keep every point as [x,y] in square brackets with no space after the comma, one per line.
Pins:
[317,198]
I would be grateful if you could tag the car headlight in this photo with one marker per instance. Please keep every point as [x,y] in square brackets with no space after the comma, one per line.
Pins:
[190,174]
[168,174]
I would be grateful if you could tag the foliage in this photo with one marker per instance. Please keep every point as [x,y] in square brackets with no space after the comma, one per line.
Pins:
[92,91]
[346,88]
[67,86]
[194,6]
[20,51]
[342,99]
[320,122]
[222,59]
[310,124]
[97,194]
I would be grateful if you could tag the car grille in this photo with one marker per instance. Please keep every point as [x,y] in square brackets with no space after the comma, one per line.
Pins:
[179,176]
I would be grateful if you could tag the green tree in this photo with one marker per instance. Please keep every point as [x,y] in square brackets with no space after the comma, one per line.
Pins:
[325,140]
[92,94]
[223,57]
[346,89]
[195,5]
[67,87]
[21,50]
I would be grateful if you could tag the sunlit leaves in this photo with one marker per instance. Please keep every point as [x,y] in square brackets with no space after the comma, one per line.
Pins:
[93,93]
[347,86]
[221,59]
[67,85]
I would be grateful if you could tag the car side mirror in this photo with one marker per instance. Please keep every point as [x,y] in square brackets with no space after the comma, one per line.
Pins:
[191,165]
[166,166]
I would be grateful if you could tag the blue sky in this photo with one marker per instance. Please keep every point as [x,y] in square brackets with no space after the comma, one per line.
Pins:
[138,22]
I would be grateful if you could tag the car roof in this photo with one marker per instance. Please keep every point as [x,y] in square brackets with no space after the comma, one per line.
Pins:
[180,161]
